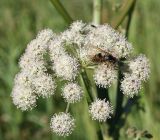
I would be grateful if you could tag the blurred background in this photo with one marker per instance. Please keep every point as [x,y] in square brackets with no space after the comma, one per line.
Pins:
[20,20]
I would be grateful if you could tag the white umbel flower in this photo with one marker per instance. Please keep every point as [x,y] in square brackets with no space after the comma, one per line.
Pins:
[73,34]
[44,36]
[86,53]
[72,93]
[66,67]
[62,124]
[32,60]
[56,48]
[102,36]
[23,97]
[122,48]
[105,75]
[77,26]
[130,85]
[140,67]
[100,110]
[23,78]
[31,65]
[35,49]
[44,85]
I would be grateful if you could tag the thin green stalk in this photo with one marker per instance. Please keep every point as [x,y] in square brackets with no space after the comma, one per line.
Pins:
[118,19]
[104,130]
[67,108]
[88,85]
[84,83]
[62,11]
[97,10]
[130,13]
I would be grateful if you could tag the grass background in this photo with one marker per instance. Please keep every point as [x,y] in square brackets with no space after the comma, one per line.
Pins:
[20,20]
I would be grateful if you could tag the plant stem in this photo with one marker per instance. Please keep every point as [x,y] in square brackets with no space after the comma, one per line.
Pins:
[67,108]
[88,85]
[97,10]
[130,13]
[84,83]
[117,20]
[62,11]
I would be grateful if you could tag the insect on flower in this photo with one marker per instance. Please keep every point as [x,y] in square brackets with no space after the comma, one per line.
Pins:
[105,57]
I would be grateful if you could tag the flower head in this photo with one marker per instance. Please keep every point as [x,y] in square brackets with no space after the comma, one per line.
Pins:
[35,49]
[140,67]
[100,110]
[122,48]
[32,60]
[44,85]
[102,36]
[23,93]
[56,48]
[23,78]
[105,75]
[72,93]
[66,67]
[130,85]
[23,97]
[44,36]
[73,34]
[62,124]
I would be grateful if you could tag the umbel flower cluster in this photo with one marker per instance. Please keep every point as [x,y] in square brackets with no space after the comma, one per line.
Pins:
[65,56]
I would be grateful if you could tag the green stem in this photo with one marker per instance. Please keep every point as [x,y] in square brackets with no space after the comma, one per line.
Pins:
[88,85]
[118,19]
[67,108]
[97,10]
[62,11]
[130,13]
[83,84]
[104,131]
[83,79]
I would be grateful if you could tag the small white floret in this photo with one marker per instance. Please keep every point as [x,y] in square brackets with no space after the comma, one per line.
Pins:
[100,110]
[62,124]
[72,93]
[140,67]
[23,97]
[105,75]
[131,85]
[44,85]
[66,67]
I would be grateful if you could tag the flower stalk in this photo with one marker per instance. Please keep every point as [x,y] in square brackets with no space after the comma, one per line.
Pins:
[97,11]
